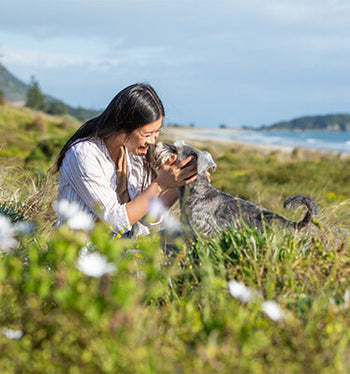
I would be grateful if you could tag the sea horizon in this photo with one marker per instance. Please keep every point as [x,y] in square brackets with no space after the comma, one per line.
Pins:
[338,141]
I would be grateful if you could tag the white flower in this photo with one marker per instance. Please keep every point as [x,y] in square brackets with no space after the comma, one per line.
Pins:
[81,221]
[156,209]
[272,310]
[72,214]
[23,228]
[171,224]
[239,291]
[94,265]
[12,334]
[7,241]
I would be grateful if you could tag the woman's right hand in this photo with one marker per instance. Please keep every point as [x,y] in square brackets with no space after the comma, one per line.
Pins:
[174,173]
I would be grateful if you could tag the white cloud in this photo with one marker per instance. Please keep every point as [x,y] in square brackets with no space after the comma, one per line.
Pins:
[195,52]
[51,60]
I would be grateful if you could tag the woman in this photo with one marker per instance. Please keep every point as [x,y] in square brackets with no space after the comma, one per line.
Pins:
[104,169]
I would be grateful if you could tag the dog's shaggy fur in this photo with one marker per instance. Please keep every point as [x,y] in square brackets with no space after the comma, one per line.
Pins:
[206,210]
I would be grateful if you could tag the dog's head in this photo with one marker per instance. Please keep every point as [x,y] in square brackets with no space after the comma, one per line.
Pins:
[162,151]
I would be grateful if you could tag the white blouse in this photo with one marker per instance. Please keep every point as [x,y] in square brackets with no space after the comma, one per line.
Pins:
[88,178]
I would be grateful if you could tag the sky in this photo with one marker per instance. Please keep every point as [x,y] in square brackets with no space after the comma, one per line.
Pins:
[212,62]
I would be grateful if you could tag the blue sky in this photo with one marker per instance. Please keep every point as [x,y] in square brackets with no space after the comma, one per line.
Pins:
[244,62]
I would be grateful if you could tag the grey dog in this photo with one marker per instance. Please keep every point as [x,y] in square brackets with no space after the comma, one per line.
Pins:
[205,210]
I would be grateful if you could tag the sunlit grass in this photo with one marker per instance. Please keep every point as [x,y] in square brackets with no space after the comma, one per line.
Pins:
[157,313]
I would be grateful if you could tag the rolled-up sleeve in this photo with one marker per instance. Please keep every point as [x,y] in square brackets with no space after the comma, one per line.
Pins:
[88,175]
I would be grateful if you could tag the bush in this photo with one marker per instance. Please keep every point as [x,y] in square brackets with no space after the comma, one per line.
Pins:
[46,149]
[150,312]
[2,98]
[37,124]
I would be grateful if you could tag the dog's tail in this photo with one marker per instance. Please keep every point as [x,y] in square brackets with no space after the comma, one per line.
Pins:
[298,201]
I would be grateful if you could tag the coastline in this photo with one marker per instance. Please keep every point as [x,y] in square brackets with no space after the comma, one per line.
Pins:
[203,138]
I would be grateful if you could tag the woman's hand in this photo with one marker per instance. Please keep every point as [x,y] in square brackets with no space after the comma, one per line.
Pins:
[208,175]
[175,173]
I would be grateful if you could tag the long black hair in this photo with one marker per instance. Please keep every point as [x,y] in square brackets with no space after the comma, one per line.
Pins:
[133,107]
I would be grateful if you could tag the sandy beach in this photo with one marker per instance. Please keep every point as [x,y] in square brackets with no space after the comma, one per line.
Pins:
[203,137]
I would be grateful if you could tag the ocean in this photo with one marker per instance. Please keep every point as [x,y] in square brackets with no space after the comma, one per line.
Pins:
[332,141]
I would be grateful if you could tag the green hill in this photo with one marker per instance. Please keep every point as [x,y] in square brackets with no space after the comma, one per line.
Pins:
[32,138]
[15,91]
[329,122]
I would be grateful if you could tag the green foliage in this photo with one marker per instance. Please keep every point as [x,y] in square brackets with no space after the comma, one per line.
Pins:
[34,98]
[16,90]
[165,314]
[83,114]
[160,313]
[22,131]
[329,122]
[46,149]
[270,180]
[2,97]
[57,108]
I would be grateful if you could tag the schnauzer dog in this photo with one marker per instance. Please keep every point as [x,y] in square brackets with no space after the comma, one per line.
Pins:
[206,210]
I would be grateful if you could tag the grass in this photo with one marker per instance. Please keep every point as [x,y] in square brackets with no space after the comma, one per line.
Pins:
[160,313]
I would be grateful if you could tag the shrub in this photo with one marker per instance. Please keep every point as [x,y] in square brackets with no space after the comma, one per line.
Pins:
[151,312]
[37,124]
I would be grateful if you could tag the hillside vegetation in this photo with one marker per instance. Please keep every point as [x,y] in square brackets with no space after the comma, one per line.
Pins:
[15,90]
[241,302]
[330,122]
[24,131]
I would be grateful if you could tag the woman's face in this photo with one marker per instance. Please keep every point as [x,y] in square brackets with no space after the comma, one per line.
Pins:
[140,139]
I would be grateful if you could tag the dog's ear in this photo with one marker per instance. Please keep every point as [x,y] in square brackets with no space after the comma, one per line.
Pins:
[204,162]
[179,143]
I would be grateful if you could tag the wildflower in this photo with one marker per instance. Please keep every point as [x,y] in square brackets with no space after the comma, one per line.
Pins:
[12,334]
[7,241]
[81,221]
[136,254]
[75,218]
[156,209]
[272,310]
[23,228]
[94,265]
[171,224]
[239,291]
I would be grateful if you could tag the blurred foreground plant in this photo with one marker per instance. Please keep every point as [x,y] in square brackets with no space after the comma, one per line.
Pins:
[243,301]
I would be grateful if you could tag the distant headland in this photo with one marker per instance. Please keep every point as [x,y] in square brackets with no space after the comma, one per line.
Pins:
[328,122]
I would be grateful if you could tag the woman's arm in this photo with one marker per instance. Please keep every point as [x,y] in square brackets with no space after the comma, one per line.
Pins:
[169,197]
[173,174]
[85,169]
